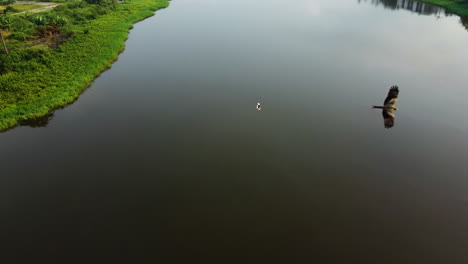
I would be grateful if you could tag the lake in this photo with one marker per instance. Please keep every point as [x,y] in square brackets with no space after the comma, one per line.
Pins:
[165,159]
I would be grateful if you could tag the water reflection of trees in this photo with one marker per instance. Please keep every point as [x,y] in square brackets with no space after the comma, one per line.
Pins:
[464,22]
[413,6]
[416,7]
[38,122]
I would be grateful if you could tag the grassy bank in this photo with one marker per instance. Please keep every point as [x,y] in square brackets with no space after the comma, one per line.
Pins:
[458,7]
[42,79]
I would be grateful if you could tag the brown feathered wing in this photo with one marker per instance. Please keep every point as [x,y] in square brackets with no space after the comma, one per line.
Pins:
[388,113]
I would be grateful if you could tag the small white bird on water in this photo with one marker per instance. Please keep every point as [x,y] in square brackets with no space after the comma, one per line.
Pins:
[259,107]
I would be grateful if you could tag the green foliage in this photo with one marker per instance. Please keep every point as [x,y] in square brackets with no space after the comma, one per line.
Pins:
[35,80]
[106,3]
[7,2]
[76,4]
[5,22]
[10,9]
[23,61]
[60,20]
[39,20]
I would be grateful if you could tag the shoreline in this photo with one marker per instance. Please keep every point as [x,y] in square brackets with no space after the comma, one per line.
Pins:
[72,67]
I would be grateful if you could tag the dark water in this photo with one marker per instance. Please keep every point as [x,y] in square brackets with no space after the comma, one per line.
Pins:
[166,160]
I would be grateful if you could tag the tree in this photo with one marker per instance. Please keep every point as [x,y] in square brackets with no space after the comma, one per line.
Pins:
[4,44]
[5,24]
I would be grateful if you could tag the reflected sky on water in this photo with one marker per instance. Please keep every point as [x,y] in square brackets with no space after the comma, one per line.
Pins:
[164,159]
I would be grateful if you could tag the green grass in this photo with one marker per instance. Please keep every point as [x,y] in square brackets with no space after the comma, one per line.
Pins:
[57,77]
[459,7]
[21,7]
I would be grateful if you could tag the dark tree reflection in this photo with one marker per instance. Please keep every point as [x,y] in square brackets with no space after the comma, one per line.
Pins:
[464,21]
[413,6]
[42,121]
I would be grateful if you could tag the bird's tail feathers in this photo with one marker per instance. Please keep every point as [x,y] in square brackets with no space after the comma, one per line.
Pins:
[378,106]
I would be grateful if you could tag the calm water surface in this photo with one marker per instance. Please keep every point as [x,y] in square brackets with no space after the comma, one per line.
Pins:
[164,159]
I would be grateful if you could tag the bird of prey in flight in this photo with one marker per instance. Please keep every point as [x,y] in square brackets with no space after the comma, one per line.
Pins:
[388,109]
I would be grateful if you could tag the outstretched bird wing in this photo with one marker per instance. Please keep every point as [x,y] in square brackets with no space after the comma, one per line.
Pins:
[392,96]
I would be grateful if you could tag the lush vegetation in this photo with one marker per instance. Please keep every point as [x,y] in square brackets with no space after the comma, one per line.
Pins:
[7,2]
[51,57]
